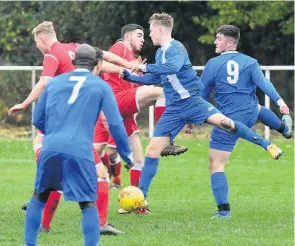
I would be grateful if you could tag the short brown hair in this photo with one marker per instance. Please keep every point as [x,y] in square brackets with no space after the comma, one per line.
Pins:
[163,19]
[230,31]
[45,27]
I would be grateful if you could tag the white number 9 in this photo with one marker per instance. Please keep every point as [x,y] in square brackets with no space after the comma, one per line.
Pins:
[232,71]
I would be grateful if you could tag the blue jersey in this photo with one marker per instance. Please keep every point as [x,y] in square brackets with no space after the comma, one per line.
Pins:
[234,77]
[67,112]
[175,72]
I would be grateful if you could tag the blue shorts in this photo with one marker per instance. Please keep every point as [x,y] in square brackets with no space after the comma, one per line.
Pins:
[76,177]
[194,109]
[225,141]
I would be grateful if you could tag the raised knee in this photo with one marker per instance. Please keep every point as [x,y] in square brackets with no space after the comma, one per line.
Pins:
[228,125]
[216,166]
[152,152]
[102,171]
[114,157]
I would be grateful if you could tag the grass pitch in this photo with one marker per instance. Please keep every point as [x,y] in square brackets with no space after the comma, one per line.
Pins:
[261,197]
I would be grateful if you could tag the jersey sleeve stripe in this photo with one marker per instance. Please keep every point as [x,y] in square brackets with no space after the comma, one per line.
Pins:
[124,49]
[49,55]
[45,77]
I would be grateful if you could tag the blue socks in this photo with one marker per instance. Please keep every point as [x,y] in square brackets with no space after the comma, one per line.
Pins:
[269,118]
[219,188]
[148,172]
[244,132]
[90,223]
[90,226]
[33,221]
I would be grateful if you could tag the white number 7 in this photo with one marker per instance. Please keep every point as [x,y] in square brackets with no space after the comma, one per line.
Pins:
[80,80]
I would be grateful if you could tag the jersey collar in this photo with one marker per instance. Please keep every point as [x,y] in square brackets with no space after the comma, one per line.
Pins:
[81,70]
[228,52]
[167,45]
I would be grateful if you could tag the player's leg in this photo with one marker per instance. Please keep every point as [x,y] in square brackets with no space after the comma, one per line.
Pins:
[138,156]
[134,100]
[90,224]
[115,164]
[34,215]
[37,147]
[269,118]
[102,203]
[199,109]
[48,178]
[136,147]
[79,183]
[166,129]
[221,145]
[219,185]
[53,200]
[37,144]
[100,138]
[240,130]
[151,162]
[147,95]
[172,149]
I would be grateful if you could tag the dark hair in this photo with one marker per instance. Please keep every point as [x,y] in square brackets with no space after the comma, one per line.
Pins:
[229,30]
[85,57]
[129,28]
[99,54]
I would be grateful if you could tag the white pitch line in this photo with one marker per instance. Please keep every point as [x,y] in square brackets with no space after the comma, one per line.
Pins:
[16,160]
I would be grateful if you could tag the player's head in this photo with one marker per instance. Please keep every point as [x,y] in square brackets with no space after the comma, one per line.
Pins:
[88,57]
[161,26]
[227,38]
[133,35]
[44,35]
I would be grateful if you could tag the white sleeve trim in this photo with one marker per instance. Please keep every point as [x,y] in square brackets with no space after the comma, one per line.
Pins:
[281,102]
[45,77]
[49,55]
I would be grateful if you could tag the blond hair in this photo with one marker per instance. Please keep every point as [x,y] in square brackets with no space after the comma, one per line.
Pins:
[163,19]
[45,27]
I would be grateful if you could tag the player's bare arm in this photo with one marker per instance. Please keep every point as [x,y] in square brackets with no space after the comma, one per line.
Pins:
[108,67]
[32,97]
[112,58]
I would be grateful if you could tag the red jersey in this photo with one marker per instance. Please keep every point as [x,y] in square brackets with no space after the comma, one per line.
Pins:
[58,59]
[113,79]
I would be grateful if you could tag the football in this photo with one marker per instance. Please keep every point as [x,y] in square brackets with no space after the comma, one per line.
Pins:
[131,198]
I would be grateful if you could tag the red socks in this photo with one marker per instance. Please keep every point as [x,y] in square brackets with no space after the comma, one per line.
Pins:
[102,203]
[135,173]
[50,208]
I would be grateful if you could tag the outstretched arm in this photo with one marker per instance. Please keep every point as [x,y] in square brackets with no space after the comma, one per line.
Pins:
[39,112]
[174,60]
[268,88]
[147,79]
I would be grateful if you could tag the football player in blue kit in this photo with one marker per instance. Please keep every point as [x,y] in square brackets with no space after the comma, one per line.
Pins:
[67,112]
[184,104]
[234,78]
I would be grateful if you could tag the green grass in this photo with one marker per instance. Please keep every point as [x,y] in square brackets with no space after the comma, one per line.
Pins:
[261,197]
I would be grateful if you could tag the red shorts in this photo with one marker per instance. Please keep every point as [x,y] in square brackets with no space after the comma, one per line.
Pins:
[101,135]
[127,102]
[159,108]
